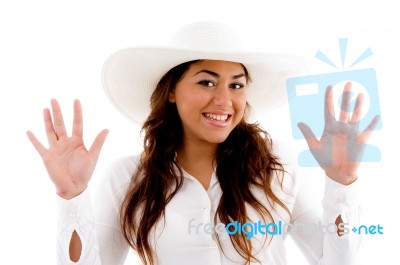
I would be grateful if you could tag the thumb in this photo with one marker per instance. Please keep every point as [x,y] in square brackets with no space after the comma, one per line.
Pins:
[98,144]
[312,141]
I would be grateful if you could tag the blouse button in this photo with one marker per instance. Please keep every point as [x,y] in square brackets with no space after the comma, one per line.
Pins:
[340,199]
[72,215]
[206,205]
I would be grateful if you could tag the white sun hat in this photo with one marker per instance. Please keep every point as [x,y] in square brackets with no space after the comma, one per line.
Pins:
[130,76]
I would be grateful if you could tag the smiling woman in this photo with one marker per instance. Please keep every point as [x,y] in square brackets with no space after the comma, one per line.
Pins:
[203,161]
[210,100]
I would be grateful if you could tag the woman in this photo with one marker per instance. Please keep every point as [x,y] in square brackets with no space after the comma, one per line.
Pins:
[204,164]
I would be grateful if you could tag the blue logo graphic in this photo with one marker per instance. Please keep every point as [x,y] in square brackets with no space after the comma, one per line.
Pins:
[306,101]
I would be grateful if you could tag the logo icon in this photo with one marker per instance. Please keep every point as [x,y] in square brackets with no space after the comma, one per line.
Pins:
[306,100]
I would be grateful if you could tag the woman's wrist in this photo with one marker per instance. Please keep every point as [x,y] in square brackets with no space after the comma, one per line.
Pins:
[342,178]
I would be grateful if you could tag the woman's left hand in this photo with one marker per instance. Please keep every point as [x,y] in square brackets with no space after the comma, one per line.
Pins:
[341,147]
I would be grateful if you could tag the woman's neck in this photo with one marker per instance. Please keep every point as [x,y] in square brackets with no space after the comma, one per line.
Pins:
[193,152]
[198,160]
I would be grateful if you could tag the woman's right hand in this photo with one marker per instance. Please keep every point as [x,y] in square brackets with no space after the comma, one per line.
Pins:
[69,164]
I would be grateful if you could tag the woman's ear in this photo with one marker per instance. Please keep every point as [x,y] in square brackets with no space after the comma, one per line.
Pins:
[171,97]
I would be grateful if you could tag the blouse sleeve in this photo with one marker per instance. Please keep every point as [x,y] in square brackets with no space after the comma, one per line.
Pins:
[76,214]
[98,227]
[317,237]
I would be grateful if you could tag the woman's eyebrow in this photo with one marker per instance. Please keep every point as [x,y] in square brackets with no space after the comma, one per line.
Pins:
[217,75]
[238,76]
[207,72]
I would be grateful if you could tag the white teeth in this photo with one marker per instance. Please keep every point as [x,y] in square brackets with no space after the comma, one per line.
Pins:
[216,117]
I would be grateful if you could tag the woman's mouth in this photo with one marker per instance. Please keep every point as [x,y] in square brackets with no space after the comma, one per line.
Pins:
[217,117]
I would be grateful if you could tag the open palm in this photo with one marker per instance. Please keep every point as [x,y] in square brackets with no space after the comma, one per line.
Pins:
[341,147]
[69,164]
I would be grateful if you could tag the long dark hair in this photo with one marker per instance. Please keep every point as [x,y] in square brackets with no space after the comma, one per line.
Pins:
[240,169]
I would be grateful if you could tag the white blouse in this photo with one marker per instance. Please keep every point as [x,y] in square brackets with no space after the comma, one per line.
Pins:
[187,235]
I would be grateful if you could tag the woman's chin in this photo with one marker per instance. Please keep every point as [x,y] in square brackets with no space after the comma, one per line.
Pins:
[216,139]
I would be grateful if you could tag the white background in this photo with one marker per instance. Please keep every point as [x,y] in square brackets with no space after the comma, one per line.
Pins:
[55,49]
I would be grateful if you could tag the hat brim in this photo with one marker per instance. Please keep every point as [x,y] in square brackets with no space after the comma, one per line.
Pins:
[130,76]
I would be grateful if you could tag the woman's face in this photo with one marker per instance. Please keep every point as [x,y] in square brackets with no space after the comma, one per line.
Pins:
[211,99]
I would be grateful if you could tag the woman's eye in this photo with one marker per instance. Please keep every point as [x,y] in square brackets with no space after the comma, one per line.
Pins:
[207,83]
[237,85]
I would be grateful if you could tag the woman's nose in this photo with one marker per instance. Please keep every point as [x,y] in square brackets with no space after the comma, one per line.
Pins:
[222,96]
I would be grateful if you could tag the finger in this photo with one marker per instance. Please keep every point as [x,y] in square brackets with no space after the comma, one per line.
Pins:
[59,126]
[344,109]
[371,127]
[48,125]
[329,107]
[98,144]
[357,111]
[312,141]
[77,127]
[35,142]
